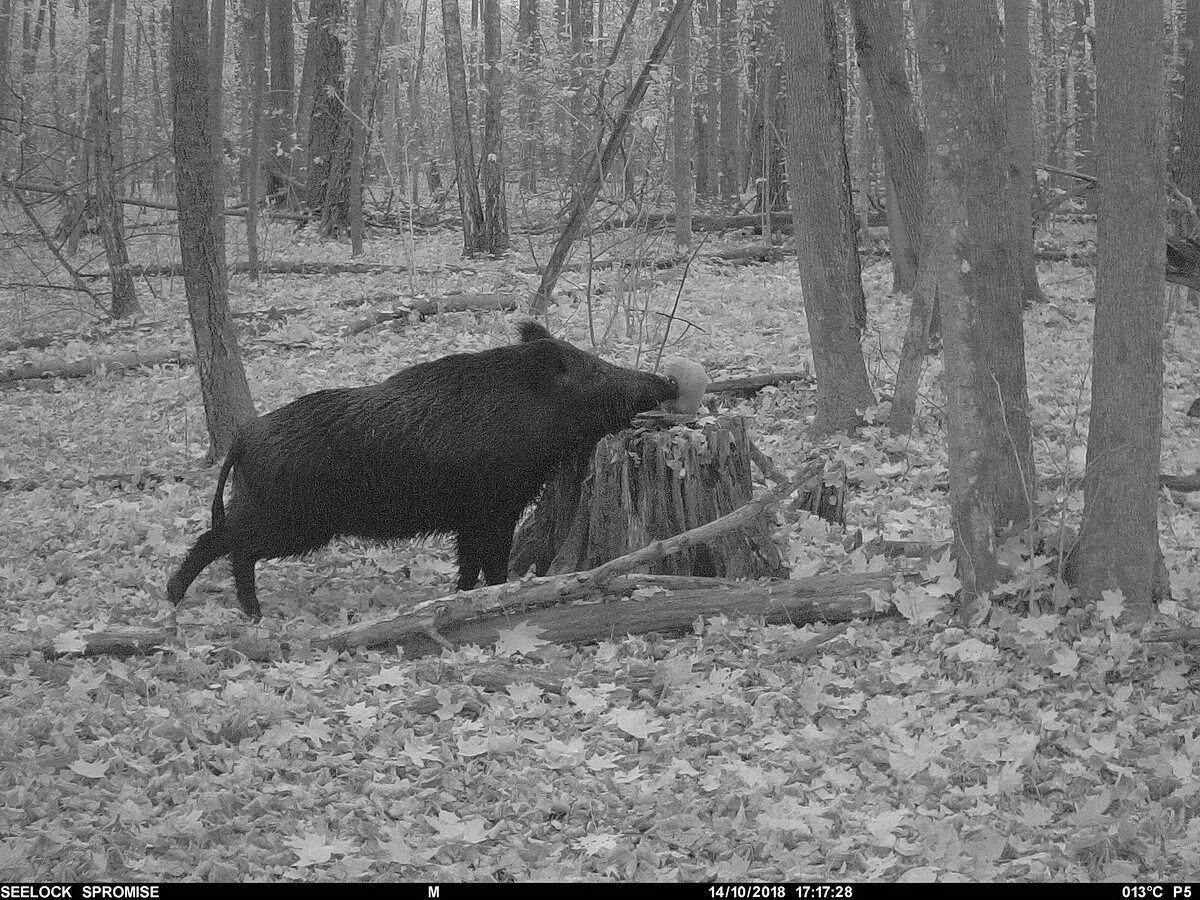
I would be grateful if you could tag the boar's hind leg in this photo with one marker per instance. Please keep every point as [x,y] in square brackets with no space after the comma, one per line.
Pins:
[210,546]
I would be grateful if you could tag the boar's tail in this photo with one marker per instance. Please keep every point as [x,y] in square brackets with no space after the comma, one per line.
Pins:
[218,506]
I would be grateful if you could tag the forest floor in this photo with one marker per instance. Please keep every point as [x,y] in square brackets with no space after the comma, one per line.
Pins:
[1043,745]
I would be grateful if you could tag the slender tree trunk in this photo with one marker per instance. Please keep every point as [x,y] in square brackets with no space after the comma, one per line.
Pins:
[416,153]
[31,40]
[357,124]
[112,226]
[1081,87]
[117,96]
[327,192]
[1018,81]
[1186,168]
[819,184]
[528,114]
[223,384]
[469,202]
[305,96]
[281,138]
[730,70]
[879,43]
[495,214]
[710,158]
[681,132]
[991,457]
[581,138]
[1119,548]
[254,50]
[6,14]
[601,165]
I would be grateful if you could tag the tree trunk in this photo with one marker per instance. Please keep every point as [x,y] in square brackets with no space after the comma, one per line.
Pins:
[223,384]
[1186,168]
[328,106]
[710,156]
[254,50]
[110,213]
[580,133]
[879,44]
[417,152]
[31,40]
[681,132]
[1018,81]
[6,13]
[281,136]
[602,164]
[469,203]
[117,96]
[528,114]
[819,185]
[730,70]
[1084,113]
[357,124]
[991,460]
[495,213]
[1119,548]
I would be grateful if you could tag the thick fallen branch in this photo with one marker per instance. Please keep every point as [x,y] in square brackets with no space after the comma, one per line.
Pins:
[658,603]
[82,367]
[1182,483]
[750,385]
[276,268]
[682,600]
[423,309]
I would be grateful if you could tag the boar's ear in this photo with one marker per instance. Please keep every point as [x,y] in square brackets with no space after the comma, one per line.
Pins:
[533,331]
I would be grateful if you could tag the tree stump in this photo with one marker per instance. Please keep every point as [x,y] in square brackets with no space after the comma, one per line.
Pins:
[645,484]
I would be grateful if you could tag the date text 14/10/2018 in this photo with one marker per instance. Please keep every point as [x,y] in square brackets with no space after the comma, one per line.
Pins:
[781,891]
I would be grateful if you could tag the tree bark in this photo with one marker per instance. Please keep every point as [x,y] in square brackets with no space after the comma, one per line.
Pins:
[254,18]
[879,44]
[991,466]
[417,152]
[528,115]
[469,202]
[495,212]
[1083,116]
[117,95]
[281,136]
[1018,81]
[730,70]
[357,123]
[110,213]
[681,132]
[223,384]
[1119,546]
[819,184]
[327,194]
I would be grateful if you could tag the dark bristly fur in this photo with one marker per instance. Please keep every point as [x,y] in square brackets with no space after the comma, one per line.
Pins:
[460,445]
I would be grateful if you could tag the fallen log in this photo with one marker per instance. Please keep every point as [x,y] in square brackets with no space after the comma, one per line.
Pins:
[1181,483]
[749,385]
[423,309]
[668,603]
[331,267]
[82,367]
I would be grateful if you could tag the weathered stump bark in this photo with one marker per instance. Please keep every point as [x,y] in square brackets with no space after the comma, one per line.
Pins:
[645,484]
